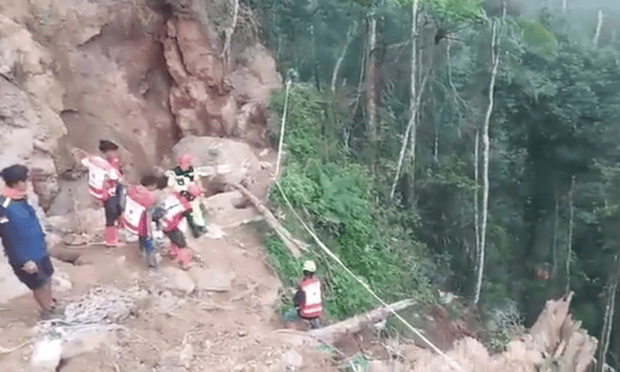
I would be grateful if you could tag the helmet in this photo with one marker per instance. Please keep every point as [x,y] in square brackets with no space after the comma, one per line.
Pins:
[195,190]
[186,160]
[310,266]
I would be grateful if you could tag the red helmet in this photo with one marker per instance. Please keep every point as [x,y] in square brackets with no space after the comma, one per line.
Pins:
[186,161]
[195,190]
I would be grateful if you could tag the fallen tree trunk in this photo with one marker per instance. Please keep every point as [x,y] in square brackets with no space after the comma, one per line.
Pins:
[293,245]
[334,332]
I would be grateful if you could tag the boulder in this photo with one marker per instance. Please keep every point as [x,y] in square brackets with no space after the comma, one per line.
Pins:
[235,157]
[178,280]
[213,279]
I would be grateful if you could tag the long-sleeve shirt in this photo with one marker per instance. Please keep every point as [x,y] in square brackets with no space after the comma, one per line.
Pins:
[23,237]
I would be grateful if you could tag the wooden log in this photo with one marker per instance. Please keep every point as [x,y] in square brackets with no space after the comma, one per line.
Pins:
[293,245]
[334,332]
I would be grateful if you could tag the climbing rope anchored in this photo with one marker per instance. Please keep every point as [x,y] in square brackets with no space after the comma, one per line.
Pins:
[335,258]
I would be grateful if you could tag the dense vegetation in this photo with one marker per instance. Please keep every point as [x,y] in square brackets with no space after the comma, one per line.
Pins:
[553,159]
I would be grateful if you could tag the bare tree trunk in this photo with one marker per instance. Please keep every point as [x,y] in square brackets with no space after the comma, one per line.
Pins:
[608,319]
[569,248]
[436,145]
[410,127]
[555,232]
[495,57]
[229,32]
[413,104]
[342,55]
[598,28]
[476,195]
[371,77]
[563,6]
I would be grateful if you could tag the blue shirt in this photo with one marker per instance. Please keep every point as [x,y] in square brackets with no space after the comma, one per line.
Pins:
[22,235]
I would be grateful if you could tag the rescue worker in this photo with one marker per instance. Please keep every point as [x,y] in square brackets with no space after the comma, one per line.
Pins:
[180,178]
[135,217]
[103,183]
[169,215]
[307,300]
[23,238]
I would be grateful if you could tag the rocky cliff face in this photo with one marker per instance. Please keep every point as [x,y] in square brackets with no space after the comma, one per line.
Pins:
[143,74]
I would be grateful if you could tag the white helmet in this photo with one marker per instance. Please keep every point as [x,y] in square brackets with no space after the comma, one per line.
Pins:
[310,266]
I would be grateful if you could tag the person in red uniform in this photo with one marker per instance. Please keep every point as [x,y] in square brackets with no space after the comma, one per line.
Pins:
[135,217]
[307,300]
[104,183]
[169,215]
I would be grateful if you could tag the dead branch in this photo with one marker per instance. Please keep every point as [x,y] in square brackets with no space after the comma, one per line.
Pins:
[334,332]
[293,245]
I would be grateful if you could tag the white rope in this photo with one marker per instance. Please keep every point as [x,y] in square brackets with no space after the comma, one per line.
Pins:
[332,255]
[288,85]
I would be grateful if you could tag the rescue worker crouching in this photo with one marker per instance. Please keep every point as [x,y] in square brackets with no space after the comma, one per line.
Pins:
[23,239]
[307,300]
[169,215]
[180,178]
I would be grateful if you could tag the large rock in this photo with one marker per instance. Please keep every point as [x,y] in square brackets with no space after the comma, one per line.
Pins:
[235,156]
[178,280]
[213,279]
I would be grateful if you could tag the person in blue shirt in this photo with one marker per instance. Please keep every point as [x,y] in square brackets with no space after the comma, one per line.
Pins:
[23,238]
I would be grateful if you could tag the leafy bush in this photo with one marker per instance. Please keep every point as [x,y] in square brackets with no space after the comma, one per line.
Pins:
[334,196]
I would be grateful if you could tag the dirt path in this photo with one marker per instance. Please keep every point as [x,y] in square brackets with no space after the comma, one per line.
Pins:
[226,323]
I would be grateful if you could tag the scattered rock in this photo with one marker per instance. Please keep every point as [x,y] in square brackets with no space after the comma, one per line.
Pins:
[178,280]
[61,282]
[213,280]
[291,361]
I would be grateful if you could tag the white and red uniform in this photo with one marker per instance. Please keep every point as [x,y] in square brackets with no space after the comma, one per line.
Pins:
[175,205]
[312,305]
[102,177]
[134,217]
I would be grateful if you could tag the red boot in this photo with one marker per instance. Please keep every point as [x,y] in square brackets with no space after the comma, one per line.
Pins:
[111,237]
[184,258]
[173,251]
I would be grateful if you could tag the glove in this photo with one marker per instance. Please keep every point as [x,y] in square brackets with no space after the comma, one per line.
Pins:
[158,213]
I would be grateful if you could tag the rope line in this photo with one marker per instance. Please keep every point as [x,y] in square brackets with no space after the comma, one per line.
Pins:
[333,256]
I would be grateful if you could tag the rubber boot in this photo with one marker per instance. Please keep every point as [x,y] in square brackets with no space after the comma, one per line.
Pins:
[184,258]
[174,251]
[195,229]
[111,237]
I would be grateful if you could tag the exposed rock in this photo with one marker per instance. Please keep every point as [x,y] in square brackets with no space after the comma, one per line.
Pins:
[178,280]
[10,286]
[213,280]
[92,222]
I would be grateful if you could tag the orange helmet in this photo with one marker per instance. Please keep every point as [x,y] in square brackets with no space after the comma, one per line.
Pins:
[195,190]
[186,160]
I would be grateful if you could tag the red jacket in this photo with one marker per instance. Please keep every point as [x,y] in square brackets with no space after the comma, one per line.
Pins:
[175,205]
[311,307]
[134,217]
[102,177]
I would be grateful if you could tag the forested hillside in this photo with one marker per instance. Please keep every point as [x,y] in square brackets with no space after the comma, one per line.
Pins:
[453,144]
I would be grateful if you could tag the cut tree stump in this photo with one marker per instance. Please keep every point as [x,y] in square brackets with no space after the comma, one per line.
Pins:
[334,332]
[293,245]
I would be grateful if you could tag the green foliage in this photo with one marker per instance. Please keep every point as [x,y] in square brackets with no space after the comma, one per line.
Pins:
[538,37]
[335,196]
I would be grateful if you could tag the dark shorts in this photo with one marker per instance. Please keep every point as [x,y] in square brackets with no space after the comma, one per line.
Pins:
[177,238]
[113,208]
[40,278]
